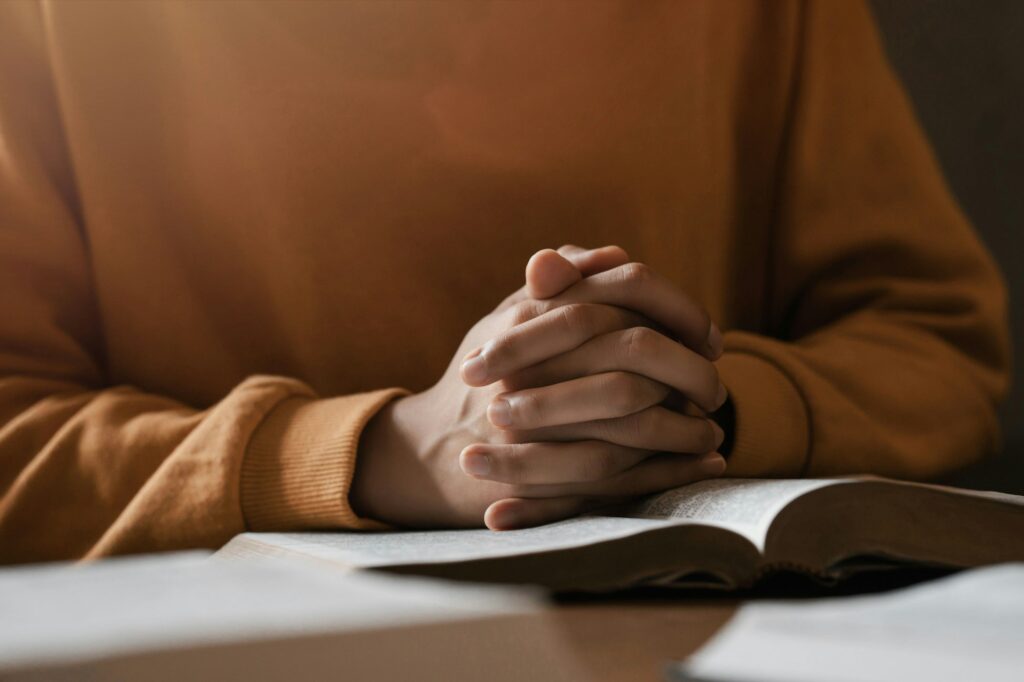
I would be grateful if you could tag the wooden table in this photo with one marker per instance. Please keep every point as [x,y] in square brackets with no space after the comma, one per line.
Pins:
[595,640]
[634,641]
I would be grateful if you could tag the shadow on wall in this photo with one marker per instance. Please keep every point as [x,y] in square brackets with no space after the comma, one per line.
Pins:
[963,65]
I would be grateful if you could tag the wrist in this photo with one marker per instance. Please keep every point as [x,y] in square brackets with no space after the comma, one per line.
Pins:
[300,459]
[377,436]
[388,484]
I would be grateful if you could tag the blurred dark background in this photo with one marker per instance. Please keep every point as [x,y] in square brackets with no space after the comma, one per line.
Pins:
[962,62]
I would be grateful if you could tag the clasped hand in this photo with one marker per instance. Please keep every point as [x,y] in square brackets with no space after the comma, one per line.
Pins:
[587,387]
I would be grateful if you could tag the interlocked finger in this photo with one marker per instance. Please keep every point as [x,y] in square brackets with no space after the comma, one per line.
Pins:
[545,504]
[548,463]
[543,337]
[548,272]
[655,428]
[637,287]
[589,398]
[639,350]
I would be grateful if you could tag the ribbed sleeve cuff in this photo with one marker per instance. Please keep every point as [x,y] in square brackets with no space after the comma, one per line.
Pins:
[772,431]
[300,460]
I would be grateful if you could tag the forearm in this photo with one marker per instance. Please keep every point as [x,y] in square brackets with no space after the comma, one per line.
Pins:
[88,473]
[864,396]
[882,345]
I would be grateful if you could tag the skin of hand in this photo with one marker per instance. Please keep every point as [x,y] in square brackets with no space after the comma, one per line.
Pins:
[537,450]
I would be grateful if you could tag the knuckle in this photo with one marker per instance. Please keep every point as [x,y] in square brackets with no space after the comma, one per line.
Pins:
[636,274]
[576,316]
[500,352]
[503,352]
[524,311]
[527,409]
[639,342]
[512,463]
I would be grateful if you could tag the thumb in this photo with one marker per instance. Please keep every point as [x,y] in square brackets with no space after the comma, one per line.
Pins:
[549,273]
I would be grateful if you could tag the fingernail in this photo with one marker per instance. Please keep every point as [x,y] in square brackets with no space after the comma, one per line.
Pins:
[711,464]
[474,370]
[715,343]
[500,412]
[475,463]
[719,434]
[723,395]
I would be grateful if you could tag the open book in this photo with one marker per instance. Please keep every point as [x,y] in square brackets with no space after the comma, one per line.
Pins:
[726,532]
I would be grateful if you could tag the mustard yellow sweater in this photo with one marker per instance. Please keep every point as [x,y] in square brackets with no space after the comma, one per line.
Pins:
[229,230]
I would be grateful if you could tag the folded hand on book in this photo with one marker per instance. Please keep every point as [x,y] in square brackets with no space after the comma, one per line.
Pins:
[554,403]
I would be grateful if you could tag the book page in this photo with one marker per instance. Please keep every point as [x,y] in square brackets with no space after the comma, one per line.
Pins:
[61,613]
[745,506]
[370,550]
[965,627]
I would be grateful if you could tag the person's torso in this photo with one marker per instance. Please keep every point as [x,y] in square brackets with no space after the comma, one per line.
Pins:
[338,191]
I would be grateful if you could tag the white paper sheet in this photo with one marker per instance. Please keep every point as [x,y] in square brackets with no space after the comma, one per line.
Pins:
[965,627]
[64,613]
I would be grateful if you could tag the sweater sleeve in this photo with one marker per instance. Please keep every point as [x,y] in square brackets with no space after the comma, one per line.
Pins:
[89,469]
[887,348]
